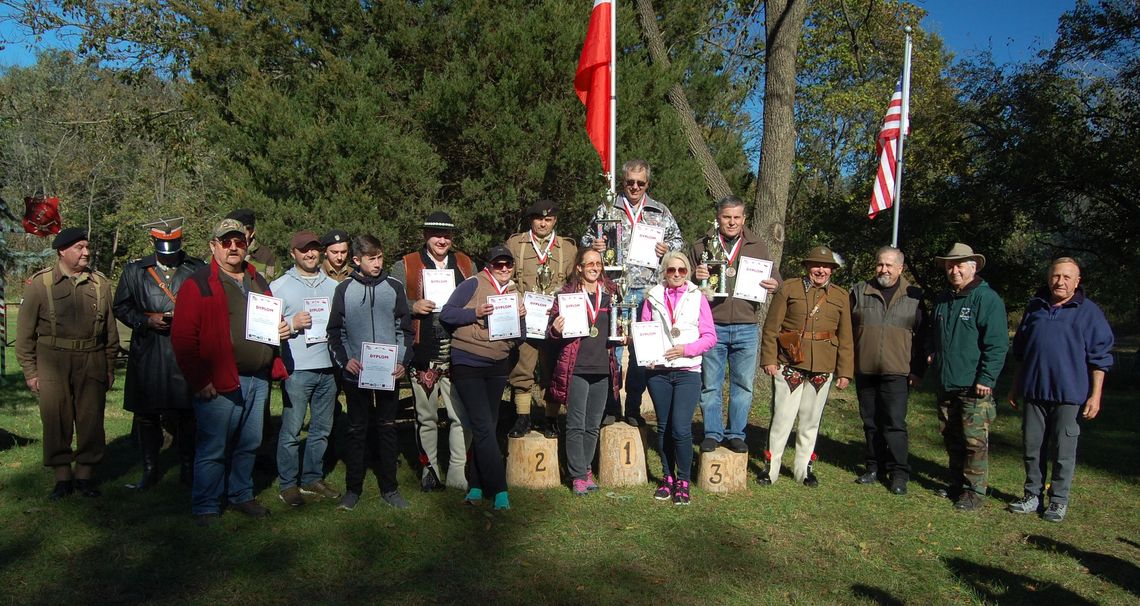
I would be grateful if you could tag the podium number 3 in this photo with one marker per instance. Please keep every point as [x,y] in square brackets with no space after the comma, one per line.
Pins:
[628,460]
[715,478]
[538,466]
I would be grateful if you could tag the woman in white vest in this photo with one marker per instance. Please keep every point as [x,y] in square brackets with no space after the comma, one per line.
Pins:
[675,385]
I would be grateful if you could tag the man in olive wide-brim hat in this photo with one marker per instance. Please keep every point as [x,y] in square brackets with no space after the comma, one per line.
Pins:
[970,342]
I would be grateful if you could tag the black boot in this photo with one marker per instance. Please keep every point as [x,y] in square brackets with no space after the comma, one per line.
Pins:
[87,488]
[522,426]
[150,442]
[62,489]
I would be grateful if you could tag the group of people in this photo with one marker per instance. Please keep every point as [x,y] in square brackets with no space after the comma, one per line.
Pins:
[194,371]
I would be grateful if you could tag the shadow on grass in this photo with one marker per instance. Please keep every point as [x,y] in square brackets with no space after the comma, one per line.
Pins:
[876,595]
[1111,568]
[9,440]
[998,586]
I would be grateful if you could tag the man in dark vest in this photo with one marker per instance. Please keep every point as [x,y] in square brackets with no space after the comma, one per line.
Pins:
[888,318]
[155,388]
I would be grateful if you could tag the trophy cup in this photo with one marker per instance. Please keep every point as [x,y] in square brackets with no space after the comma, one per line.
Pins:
[716,259]
[543,279]
[611,230]
[620,320]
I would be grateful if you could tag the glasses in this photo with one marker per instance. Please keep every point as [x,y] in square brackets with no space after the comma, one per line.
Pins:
[680,271]
[592,264]
[503,265]
[633,182]
[237,241]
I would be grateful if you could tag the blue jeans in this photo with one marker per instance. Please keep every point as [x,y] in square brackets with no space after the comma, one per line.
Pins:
[227,437]
[736,343]
[634,379]
[675,395]
[317,389]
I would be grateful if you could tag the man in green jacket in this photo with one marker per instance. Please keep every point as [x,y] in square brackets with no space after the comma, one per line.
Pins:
[970,342]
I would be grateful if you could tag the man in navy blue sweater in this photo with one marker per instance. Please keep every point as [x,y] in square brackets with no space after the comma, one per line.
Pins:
[1064,345]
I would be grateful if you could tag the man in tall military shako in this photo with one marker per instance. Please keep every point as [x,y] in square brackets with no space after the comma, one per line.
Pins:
[66,341]
[155,388]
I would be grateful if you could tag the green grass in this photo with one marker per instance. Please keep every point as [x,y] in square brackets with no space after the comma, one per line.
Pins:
[840,543]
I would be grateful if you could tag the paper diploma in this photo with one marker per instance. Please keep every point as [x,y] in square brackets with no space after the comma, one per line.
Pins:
[263,319]
[643,245]
[572,308]
[377,363]
[537,314]
[649,343]
[438,284]
[503,323]
[318,308]
[748,276]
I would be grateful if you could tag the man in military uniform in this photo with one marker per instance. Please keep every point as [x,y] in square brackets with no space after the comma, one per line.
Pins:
[543,260]
[970,342]
[335,264]
[155,388]
[259,256]
[66,341]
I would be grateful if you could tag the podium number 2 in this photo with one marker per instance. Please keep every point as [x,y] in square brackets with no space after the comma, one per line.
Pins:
[628,460]
[539,467]
[715,478]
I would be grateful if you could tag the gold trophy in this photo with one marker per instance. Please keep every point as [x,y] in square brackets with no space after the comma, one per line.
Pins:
[623,311]
[543,279]
[716,259]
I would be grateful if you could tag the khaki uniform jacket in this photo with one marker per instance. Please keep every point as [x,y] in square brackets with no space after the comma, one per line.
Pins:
[83,319]
[730,310]
[560,259]
[790,306]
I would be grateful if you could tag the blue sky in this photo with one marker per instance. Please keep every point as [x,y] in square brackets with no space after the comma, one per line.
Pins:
[1013,29]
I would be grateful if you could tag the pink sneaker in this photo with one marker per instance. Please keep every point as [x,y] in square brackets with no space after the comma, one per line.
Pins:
[664,489]
[580,488]
[591,485]
[681,492]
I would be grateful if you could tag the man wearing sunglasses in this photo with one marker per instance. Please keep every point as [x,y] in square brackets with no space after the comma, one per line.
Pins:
[228,374]
[634,206]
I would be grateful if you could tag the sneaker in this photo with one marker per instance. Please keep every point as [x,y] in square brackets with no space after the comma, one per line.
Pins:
[664,489]
[1030,504]
[870,477]
[708,444]
[550,428]
[250,508]
[898,486]
[763,479]
[737,445]
[502,501]
[348,501]
[1056,512]
[395,499]
[429,480]
[810,480]
[322,489]
[474,495]
[579,488]
[292,497]
[635,420]
[521,427]
[591,485]
[608,420]
[681,492]
[969,501]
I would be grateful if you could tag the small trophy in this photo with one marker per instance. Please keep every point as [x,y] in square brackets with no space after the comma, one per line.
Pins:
[611,230]
[543,279]
[623,311]
[715,257]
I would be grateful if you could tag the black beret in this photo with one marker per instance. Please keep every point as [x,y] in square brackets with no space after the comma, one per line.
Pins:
[542,208]
[244,215]
[66,237]
[335,236]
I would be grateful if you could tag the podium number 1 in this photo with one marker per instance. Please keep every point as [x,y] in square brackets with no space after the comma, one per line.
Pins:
[628,460]
[539,467]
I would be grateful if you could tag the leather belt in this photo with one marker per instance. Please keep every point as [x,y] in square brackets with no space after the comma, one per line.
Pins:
[818,336]
[69,344]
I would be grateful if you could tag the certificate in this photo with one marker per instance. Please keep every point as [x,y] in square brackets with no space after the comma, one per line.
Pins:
[318,308]
[377,364]
[263,319]
[649,343]
[572,308]
[537,314]
[643,245]
[748,277]
[438,284]
[503,323]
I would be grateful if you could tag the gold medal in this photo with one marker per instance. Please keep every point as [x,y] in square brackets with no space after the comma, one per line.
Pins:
[676,332]
[593,331]
[730,272]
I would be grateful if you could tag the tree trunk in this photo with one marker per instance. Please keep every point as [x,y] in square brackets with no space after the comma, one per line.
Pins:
[714,178]
[783,23]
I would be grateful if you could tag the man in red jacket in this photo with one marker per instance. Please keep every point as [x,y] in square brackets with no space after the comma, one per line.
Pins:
[228,374]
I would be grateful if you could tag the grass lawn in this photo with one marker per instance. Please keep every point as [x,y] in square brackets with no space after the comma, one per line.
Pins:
[837,544]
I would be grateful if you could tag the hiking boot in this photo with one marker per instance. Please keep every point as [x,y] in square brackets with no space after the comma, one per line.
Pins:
[870,477]
[395,499]
[579,488]
[521,427]
[664,489]
[250,508]
[1056,512]
[62,489]
[292,497]
[681,492]
[429,481]
[708,444]
[322,489]
[969,501]
[591,485]
[348,501]
[550,428]
[1030,504]
[738,445]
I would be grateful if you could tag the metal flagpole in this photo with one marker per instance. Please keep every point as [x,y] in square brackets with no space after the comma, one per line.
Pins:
[613,101]
[904,127]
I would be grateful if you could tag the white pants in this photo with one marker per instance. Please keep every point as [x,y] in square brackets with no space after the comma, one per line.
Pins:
[804,404]
[427,425]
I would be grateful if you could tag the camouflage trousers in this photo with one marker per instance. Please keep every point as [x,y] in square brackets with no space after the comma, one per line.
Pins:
[964,421]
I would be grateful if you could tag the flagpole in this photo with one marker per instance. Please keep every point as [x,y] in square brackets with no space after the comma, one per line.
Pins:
[613,100]
[904,127]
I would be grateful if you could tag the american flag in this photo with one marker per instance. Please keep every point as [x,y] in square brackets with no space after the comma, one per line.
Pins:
[884,192]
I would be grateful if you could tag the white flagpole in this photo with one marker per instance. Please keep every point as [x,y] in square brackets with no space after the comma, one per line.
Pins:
[904,126]
[613,100]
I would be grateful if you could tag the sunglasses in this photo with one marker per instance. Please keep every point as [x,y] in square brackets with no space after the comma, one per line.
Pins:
[503,265]
[238,241]
[632,182]
[680,271]
[592,264]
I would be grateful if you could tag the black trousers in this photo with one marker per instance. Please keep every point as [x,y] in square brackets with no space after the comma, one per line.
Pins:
[371,437]
[482,395]
[882,405]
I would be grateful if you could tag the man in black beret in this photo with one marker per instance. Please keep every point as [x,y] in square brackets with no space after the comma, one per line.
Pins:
[66,347]
[336,263]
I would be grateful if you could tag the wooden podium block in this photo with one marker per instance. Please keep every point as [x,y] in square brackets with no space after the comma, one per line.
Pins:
[621,456]
[532,462]
[723,471]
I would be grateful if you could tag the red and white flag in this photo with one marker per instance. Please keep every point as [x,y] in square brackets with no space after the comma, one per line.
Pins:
[883,195]
[592,80]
